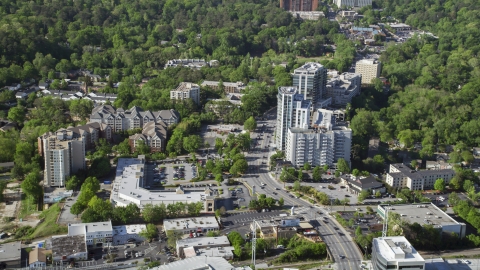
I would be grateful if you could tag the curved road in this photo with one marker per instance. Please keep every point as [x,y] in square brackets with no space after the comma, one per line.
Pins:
[344,251]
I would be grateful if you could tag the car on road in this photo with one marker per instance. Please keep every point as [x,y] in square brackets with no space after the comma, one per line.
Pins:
[277,188]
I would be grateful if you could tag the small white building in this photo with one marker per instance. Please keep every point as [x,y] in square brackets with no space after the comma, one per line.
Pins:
[128,234]
[395,253]
[201,242]
[96,234]
[191,225]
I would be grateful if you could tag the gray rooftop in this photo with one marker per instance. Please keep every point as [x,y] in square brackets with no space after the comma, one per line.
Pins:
[309,68]
[67,245]
[190,223]
[198,263]
[203,241]
[10,251]
[422,214]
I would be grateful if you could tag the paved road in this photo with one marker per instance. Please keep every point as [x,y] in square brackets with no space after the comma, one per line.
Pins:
[337,239]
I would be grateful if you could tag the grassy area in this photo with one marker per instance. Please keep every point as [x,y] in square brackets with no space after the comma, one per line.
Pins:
[311,265]
[28,206]
[49,225]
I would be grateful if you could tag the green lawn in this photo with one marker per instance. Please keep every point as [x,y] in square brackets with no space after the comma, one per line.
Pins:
[27,207]
[49,226]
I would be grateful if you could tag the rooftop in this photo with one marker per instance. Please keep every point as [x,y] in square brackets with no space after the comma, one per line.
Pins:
[215,252]
[287,90]
[368,61]
[186,86]
[362,181]
[37,255]
[198,263]
[128,229]
[423,214]
[309,68]
[203,241]
[194,222]
[129,187]
[67,245]
[10,251]
[84,228]
[407,171]
[396,248]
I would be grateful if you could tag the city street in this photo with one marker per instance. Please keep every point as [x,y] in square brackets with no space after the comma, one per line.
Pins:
[340,243]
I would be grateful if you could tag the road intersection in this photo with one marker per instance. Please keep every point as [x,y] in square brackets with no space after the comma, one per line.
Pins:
[342,247]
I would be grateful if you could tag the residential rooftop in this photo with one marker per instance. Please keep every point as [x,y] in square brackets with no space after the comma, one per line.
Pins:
[308,68]
[10,251]
[423,214]
[396,248]
[287,90]
[186,86]
[189,223]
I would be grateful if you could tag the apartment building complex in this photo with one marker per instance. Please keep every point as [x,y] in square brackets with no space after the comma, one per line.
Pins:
[342,88]
[293,111]
[395,252]
[353,3]
[299,5]
[154,135]
[311,80]
[322,144]
[186,90]
[120,119]
[400,176]
[64,154]
[369,69]
[228,87]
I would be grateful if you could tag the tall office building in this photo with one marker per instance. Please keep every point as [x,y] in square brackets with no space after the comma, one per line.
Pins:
[64,155]
[322,144]
[369,68]
[311,81]
[395,252]
[299,5]
[292,111]
[353,3]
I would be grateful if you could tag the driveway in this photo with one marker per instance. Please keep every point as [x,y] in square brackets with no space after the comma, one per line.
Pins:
[65,216]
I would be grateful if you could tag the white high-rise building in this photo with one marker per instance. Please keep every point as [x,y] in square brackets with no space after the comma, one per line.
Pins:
[323,144]
[292,111]
[64,155]
[369,68]
[186,90]
[395,252]
[353,3]
[310,79]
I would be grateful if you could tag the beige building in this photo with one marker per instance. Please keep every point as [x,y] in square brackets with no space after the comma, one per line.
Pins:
[369,68]
[342,88]
[154,135]
[64,155]
[401,176]
[228,87]
[186,90]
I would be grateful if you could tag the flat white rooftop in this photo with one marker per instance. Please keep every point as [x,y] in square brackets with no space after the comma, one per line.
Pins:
[198,263]
[203,241]
[128,229]
[85,228]
[128,187]
[190,223]
[396,248]
[423,214]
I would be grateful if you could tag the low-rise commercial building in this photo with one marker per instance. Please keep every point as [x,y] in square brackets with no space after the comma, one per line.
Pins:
[130,186]
[201,242]
[128,234]
[200,263]
[425,214]
[191,225]
[357,184]
[223,252]
[10,255]
[65,248]
[186,90]
[97,234]
[277,228]
[400,175]
[395,252]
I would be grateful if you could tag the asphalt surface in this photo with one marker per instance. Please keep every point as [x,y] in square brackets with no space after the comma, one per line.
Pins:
[343,249]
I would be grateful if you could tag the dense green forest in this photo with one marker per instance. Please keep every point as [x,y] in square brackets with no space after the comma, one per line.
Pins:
[435,80]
